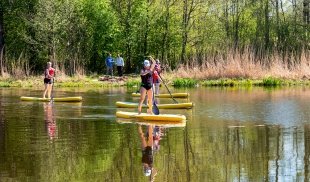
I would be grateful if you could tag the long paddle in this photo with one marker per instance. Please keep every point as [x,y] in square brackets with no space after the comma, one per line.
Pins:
[175,101]
[52,91]
[154,108]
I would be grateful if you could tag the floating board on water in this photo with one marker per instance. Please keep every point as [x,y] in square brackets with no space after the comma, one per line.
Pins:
[59,99]
[166,124]
[174,95]
[186,105]
[150,117]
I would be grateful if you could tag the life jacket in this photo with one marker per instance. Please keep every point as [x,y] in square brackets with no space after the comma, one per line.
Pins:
[51,71]
[155,76]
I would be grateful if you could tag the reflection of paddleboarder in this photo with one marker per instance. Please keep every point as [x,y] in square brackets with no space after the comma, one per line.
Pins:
[50,120]
[158,132]
[147,152]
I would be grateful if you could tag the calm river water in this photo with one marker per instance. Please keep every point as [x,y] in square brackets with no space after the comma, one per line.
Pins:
[232,134]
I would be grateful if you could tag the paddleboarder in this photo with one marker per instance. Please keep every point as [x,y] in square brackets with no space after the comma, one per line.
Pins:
[156,78]
[49,74]
[146,84]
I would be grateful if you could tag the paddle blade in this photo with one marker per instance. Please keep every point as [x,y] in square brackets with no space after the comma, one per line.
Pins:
[155,109]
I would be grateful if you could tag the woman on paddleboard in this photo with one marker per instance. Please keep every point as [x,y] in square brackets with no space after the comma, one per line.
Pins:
[48,79]
[146,84]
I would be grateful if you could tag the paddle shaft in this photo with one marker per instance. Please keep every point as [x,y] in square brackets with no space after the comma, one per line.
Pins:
[52,91]
[167,89]
[154,108]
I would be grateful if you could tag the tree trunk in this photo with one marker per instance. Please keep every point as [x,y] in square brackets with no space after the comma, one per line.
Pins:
[128,36]
[279,37]
[236,33]
[306,19]
[226,20]
[184,30]
[267,25]
[165,33]
[306,11]
[145,43]
[33,55]
[1,38]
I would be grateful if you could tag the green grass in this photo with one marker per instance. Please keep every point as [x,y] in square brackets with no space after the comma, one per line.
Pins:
[228,82]
[134,81]
[270,81]
[184,82]
[266,82]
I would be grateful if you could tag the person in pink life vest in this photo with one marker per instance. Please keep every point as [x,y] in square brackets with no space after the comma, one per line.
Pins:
[156,78]
[49,74]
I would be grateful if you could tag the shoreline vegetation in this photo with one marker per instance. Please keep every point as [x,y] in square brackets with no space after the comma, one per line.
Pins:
[238,69]
[134,81]
[184,76]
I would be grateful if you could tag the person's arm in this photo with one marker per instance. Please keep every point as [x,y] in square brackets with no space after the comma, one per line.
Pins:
[123,64]
[144,72]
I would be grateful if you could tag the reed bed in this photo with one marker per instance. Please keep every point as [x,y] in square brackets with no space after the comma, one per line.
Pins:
[246,66]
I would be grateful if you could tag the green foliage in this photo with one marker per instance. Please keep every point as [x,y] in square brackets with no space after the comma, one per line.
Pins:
[184,82]
[133,83]
[270,81]
[228,82]
[78,34]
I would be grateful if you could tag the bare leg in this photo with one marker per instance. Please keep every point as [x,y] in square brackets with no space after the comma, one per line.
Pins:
[142,96]
[150,138]
[150,101]
[49,88]
[45,90]
[156,88]
[143,142]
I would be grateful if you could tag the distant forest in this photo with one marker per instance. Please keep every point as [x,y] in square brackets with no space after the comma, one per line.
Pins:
[77,35]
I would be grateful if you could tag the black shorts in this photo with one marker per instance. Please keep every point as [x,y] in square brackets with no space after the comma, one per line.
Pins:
[48,81]
[147,86]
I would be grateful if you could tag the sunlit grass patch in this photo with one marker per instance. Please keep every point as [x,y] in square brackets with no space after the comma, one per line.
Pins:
[133,83]
[227,82]
[5,84]
[184,82]
[271,81]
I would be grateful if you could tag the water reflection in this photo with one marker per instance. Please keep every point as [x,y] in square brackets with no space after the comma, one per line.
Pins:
[49,118]
[150,145]
[230,135]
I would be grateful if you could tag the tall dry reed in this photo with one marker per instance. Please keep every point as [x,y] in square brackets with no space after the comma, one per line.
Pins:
[246,65]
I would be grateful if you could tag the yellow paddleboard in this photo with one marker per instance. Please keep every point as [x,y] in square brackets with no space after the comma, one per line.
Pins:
[150,117]
[59,99]
[174,95]
[186,105]
[166,124]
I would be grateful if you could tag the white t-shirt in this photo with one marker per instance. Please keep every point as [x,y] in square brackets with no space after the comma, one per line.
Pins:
[119,61]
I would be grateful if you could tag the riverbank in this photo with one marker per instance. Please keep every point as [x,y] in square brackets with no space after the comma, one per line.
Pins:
[76,81]
[134,81]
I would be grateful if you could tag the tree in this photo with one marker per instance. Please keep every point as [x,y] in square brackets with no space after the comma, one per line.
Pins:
[1,37]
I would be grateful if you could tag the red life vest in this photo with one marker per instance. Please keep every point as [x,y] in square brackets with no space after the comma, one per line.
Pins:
[51,71]
[155,76]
